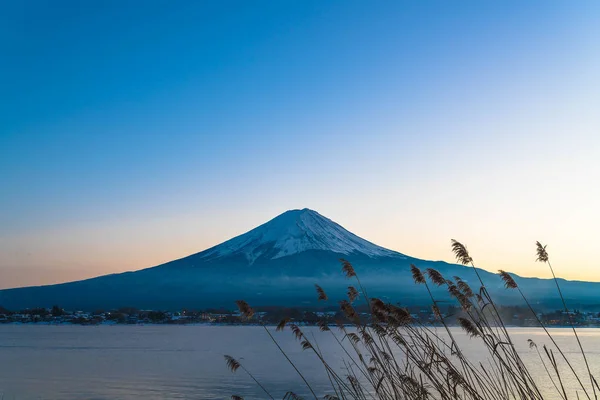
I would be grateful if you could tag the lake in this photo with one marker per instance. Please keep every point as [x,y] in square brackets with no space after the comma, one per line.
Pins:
[186,362]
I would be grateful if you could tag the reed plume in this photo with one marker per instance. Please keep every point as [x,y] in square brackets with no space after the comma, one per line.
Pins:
[245,310]
[348,310]
[401,316]
[305,344]
[542,254]
[352,293]
[281,325]
[321,295]
[468,326]
[323,326]
[436,312]
[509,282]
[417,274]
[435,277]
[347,268]
[232,363]
[353,337]
[461,253]
[296,331]
[464,287]
[460,296]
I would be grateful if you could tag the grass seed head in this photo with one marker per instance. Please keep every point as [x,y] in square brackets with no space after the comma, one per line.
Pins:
[232,363]
[509,282]
[323,326]
[417,274]
[435,277]
[468,326]
[281,325]
[347,268]
[246,311]
[542,254]
[352,293]
[461,253]
[321,295]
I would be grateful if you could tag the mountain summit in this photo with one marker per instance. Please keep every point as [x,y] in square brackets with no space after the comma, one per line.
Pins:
[277,264]
[293,232]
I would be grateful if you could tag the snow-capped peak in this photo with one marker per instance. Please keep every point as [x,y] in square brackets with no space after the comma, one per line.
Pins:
[293,232]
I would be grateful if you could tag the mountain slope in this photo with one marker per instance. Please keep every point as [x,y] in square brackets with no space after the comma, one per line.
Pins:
[278,263]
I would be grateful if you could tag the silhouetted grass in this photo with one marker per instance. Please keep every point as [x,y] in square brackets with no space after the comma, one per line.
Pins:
[394,357]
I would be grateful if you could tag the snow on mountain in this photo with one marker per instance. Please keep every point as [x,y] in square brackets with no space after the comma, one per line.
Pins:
[296,231]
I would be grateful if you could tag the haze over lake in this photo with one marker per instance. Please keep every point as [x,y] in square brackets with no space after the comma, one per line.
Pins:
[186,362]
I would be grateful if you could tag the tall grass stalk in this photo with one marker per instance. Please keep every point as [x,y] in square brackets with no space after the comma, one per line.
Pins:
[391,356]
[543,257]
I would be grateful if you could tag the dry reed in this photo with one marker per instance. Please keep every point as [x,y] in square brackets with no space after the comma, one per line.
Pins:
[391,356]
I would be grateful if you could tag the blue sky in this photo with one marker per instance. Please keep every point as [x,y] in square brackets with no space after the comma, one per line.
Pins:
[132,133]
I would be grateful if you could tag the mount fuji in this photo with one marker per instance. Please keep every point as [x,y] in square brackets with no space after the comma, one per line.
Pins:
[278,263]
[294,232]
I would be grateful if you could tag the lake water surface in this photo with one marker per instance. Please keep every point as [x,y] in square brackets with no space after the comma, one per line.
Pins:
[186,362]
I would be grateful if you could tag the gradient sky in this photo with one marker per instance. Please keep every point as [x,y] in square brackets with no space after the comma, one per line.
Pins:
[133,133]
